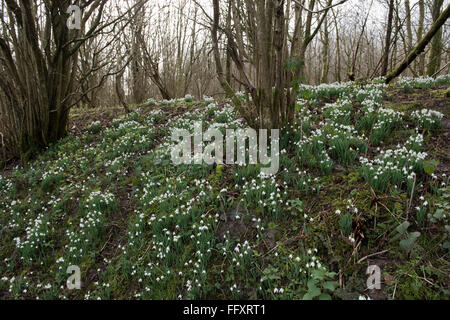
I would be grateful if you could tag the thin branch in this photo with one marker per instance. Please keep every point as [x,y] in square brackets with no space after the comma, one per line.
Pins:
[297,2]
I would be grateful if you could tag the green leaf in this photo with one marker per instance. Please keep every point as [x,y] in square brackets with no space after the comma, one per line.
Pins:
[408,243]
[314,292]
[312,285]
[430,166]
[438,214]
[307,296]
[403,227]
[324,296]
[330,285]
[307,95]
[317,274]
[331,274]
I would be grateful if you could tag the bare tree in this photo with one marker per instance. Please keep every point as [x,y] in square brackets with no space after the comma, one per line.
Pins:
[40,56]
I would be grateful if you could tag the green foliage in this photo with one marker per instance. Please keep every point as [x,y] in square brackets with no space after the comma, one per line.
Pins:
[408,239]
[346,224]
[294,65]
[95,127]
[139,227]
[319,287]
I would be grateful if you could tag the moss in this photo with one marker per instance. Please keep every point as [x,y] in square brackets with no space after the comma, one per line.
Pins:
[404,107]
[441,93]
[353,177]
[447,93]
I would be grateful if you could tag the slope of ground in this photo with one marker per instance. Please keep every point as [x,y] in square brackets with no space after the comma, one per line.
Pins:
[363,181]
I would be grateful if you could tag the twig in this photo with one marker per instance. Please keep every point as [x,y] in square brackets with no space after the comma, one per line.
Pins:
[371,255]
[104,246]
[3,146]
[395,289]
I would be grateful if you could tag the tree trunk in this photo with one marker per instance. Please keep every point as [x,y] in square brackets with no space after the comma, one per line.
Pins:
[120,92]
[434,62]
[387,44]
[409,36]
[338,49]
[325,54]
[421,60]
[137,74]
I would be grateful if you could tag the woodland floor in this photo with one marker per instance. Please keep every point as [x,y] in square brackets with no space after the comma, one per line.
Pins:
[107,199]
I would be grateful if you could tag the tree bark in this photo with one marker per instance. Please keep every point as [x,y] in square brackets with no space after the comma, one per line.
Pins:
[338,49]
[325,53]
[421,60]
[387,44]
[434,62]
[409,36]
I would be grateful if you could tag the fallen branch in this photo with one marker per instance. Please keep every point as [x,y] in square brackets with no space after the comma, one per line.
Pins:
[371,255]
[420,47]
[434,75]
